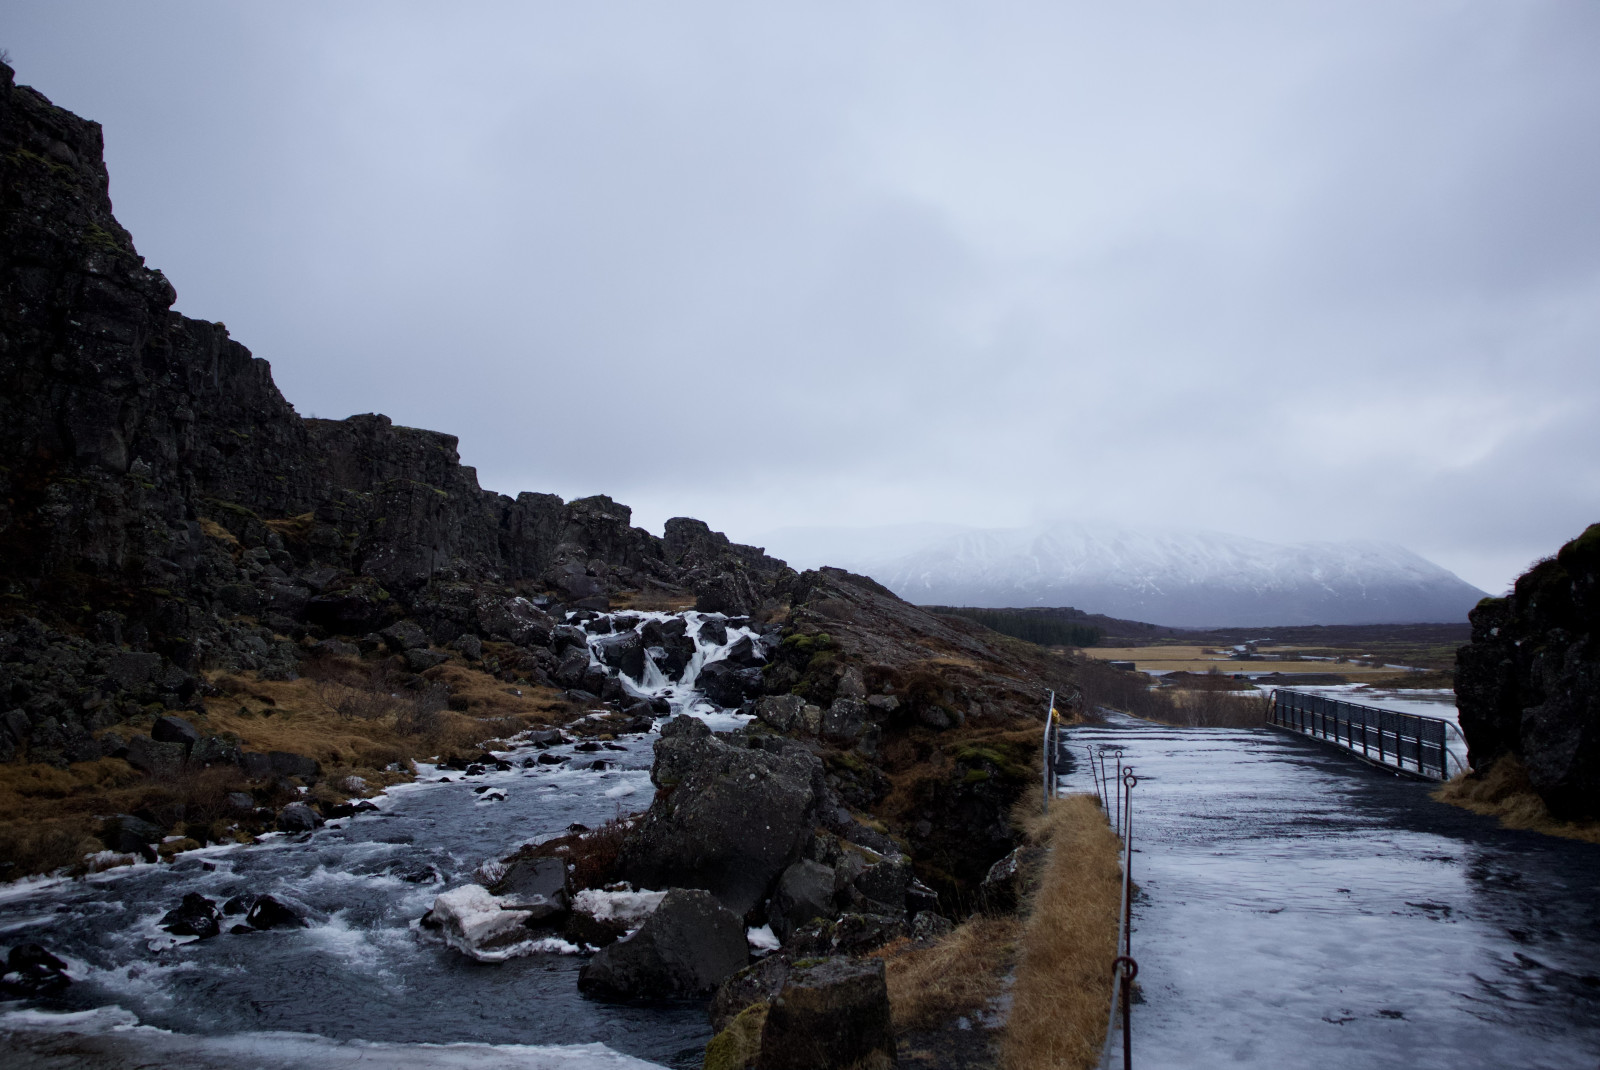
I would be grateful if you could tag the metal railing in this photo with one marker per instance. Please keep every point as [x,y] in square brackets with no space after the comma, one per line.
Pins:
[1407,742]
[1124,968]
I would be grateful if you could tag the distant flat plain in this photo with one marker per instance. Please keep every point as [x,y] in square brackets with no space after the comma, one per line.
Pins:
[1196,659]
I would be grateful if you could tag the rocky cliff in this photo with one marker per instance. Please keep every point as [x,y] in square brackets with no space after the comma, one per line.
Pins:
[1528,685]
[164,510]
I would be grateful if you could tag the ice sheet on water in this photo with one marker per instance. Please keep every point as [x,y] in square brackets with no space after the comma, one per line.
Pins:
[113,1037]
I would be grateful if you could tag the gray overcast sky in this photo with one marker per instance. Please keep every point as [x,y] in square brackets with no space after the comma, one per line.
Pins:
[1293,270]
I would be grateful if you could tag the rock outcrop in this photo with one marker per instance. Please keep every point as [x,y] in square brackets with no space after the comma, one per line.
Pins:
[1528,685]
[164,510]
[728,819]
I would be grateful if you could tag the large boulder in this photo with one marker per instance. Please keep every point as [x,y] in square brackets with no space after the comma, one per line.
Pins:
[214,750]
[688,947]
[734,819]
[833,1013]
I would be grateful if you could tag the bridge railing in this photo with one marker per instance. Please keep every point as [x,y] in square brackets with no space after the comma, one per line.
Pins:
[1409,742]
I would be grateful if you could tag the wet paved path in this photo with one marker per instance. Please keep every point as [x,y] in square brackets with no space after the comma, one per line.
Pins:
[1301,909]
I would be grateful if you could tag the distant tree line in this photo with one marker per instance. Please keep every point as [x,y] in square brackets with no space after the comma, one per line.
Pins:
[1031,625]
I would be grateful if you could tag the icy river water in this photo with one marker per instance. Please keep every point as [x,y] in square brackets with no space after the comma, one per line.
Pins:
[362,984]
[1298,908]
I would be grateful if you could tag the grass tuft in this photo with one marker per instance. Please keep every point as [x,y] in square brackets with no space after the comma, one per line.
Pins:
[956,975]
[1063,985]
[1503,791]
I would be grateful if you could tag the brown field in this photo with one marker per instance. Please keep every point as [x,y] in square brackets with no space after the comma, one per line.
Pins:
[1195,659]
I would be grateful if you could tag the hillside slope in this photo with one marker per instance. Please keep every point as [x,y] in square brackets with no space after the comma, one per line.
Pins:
[1174,577]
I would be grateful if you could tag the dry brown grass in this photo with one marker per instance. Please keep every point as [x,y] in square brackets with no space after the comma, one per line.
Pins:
[351,717]
[958,974]
[1430,680]
[654,600]
[1503,792]
[1062,991]
[1196,659]
[49,816]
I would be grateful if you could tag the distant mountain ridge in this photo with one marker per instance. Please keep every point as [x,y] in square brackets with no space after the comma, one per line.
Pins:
[1174,577]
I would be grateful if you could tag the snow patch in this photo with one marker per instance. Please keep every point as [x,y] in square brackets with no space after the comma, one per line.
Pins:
[627,908]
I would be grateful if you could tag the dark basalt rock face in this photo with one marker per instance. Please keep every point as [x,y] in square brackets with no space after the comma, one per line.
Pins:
[1528,685]
[156,490]
[689,946]
[731,819]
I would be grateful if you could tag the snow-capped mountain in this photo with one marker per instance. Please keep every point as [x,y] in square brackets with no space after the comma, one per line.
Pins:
[1174,577]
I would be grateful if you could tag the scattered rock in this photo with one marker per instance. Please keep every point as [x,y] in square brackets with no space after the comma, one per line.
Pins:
[195,916]
[298,817]
[161,761]
[287,764]
[421,660]
[851,934]
[214,750]
[1006,882]
[31,971]
[805,891]
[930,926]
[270,912]
[691,944]
[169,729]
[403,636]
[127,834]
[537,885]
[759,982]
[843,721]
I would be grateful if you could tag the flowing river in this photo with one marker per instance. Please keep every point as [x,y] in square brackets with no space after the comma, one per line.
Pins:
[1299,908]
[363,983]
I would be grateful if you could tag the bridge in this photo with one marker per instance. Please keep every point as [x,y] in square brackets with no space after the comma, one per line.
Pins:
[1405,742]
